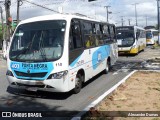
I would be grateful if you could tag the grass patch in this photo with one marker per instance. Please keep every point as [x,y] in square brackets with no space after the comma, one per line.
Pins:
[118,106]
[158,89]
[156,119]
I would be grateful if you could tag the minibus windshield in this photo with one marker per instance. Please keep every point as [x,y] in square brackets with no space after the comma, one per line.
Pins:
[38,41]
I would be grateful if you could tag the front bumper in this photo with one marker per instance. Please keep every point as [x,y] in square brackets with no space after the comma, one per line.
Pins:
[128,51]
[150,42]
[50,85]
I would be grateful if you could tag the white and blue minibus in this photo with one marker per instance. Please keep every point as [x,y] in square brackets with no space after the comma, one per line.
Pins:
[57,53]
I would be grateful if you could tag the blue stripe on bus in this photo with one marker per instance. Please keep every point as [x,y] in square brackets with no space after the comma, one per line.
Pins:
[32,68]
[100,55]
[75,61]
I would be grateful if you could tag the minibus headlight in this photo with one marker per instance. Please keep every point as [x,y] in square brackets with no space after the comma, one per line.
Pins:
[58,75]
[9,73]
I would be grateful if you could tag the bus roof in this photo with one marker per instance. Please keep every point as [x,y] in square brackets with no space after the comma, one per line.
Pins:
[154,30]
[58,17]
[135,27]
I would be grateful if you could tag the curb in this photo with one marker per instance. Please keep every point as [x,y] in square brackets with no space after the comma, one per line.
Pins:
[149,70]
[94,103]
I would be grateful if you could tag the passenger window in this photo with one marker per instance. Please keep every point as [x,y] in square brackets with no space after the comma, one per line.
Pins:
[87,28]
[97,27]
[98,36]
[75,35]
[138,34]
[112,33]
[106,34]
[88,35]
[142,34]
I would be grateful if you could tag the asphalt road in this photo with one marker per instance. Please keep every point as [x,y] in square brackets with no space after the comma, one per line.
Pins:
[66,104]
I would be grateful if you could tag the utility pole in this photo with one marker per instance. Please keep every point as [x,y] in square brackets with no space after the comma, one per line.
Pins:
[19,3]
[8,20]
[122,20]
[107,12]
[136,13]
[158,20]
[146,20]
[2,20]
[129,22]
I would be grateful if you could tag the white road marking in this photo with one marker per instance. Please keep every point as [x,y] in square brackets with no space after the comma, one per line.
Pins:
[125,68]
[115,73]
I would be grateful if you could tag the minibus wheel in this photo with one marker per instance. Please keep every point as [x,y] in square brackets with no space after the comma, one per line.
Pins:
[78,83]
[107,66]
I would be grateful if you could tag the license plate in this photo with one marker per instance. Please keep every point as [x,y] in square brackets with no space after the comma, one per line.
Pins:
[32,89]
[148,41]
[121,52]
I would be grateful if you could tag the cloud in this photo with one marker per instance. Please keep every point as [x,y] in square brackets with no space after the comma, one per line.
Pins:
[144,8]
[94,9]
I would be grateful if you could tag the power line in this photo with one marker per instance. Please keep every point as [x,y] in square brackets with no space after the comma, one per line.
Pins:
[41,6]
[47,4]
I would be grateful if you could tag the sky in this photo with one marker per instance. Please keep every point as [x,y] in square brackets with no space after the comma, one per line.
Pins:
[119,8]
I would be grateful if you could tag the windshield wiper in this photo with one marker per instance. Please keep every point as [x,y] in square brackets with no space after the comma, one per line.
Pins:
[24,50]
[41,48]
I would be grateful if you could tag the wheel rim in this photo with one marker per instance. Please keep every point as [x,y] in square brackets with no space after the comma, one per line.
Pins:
[107,68]
[77,82]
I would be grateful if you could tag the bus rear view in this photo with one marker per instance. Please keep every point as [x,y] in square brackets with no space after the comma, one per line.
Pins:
[151,36]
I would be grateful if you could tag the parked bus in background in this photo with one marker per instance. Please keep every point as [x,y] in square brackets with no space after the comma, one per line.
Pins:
[152,36]
[131,39]
[59,52]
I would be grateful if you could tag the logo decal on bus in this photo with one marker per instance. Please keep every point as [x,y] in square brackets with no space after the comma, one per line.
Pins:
[99,56]
[15,66]
[28,71]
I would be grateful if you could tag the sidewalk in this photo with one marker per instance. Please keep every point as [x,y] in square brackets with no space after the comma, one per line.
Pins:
[1,55]
[136,95]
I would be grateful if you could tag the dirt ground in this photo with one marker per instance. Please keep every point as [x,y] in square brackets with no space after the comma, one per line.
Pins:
[141,92]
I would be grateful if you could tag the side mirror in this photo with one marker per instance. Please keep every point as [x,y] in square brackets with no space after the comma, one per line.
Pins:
[5,58]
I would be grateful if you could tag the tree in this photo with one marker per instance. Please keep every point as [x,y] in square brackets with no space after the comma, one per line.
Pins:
[1,37]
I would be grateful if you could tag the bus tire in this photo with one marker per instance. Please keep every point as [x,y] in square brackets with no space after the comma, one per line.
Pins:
[78,84]
[107,66]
